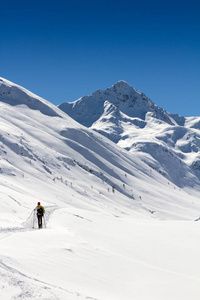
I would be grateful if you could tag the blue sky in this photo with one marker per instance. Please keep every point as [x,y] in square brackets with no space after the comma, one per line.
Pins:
[62,50]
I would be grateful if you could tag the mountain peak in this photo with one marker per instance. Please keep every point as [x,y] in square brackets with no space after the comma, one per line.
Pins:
[122,83]
[122,87]
[88,109]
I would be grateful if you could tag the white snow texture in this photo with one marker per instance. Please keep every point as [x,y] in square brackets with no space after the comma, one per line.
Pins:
[119,180]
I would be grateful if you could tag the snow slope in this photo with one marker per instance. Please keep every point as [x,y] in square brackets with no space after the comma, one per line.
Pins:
[168,143]
[115,228]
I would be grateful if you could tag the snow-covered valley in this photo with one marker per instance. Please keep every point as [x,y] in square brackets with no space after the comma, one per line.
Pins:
[115,227]
[84,254]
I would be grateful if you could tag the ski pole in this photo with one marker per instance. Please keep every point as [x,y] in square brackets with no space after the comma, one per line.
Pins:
[33,217]
[44,222]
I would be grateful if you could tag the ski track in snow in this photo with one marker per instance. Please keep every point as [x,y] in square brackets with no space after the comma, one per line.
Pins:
[28,224]
[30,287]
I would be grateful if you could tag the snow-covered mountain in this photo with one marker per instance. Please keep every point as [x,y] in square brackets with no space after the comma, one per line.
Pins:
[104,237]
[167,142]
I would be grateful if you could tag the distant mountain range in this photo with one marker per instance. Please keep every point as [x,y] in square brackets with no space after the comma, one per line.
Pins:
[167,142]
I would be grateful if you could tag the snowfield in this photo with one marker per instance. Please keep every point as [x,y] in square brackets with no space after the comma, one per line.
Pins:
[85,254]
[114,229]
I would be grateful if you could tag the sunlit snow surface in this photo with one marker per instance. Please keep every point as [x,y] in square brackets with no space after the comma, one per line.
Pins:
[115,228]
[168,143]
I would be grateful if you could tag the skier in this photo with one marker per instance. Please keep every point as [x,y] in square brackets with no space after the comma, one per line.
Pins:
[40,212]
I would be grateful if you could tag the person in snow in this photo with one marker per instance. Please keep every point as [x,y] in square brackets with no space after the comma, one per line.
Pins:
[40,213]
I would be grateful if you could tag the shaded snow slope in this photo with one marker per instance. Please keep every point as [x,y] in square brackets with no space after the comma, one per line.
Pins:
[105,212]
[166,142]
